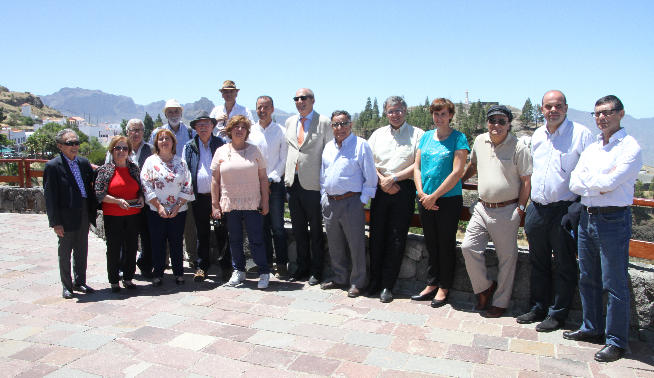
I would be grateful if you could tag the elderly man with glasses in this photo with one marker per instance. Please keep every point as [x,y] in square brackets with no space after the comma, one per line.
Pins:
[348,179]
[307,133]
[503,166]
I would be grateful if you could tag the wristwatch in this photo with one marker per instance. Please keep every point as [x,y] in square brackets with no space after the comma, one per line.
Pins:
[394,178]
[521,208]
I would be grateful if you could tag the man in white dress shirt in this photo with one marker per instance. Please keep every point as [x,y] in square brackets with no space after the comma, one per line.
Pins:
[604,178]
[222,113]
[270,137]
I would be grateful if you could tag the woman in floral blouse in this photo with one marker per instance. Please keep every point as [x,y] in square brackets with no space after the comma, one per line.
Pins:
[167,186]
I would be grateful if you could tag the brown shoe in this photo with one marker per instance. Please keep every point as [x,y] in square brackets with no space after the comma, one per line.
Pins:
[199,276]
[353,292]
[484,297]
[494,312]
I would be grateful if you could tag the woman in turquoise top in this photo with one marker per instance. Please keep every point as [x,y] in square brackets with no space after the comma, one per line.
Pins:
[440,160]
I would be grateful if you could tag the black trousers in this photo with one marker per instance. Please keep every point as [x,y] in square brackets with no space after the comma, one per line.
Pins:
[304,206]
[390,216]
[144,261]
[546,237]
[202,215]
[440,228]
[77,243]
[121,233]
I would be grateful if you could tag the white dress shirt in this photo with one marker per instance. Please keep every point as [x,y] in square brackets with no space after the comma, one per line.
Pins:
[610,169]
[350,168]
[395,150]
[219,112]
[272,143]
[554,156]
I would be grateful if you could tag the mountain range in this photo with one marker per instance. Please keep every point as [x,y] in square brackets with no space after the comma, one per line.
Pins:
[96,105]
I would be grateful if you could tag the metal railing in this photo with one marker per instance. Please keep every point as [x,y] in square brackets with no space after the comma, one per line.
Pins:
[637,248]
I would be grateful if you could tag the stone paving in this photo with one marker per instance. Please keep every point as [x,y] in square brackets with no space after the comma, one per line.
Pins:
[290,329]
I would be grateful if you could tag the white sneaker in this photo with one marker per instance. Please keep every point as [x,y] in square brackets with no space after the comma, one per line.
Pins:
[237,278]
[263,281]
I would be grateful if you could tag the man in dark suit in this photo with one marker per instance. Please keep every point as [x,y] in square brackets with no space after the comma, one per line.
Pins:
[307,133]
[71,206]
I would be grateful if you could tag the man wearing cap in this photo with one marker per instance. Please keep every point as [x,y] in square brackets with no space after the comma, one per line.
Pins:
[555,150]
[173,112]
[222,113]
[198,153]
[604,178]
[307,133]
[503,165]
[394,149]
[348,179]
[270,137]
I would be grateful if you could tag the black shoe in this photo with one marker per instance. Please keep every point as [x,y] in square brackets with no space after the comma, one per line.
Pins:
[549,324]
[330,285]
[386,296]
[436,303]
[129,284]
[147,274]
[580,335]
[313,280]
[157,281]
[530,317]
[66,294]
[609,353]
[425,297]
[84,288]
[297,276]
[115,288]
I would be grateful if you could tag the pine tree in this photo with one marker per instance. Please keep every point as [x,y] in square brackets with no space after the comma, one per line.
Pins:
[148,125]
[123,126]
[527,115]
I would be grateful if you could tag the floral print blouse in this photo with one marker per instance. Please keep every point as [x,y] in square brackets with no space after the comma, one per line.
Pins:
[168,182]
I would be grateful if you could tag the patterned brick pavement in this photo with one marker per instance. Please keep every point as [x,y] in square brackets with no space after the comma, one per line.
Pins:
[287,330]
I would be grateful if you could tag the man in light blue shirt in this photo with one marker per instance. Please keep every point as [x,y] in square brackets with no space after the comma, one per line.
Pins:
[348,179]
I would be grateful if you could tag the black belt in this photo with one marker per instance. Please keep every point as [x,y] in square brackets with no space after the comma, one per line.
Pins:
[554,204]
[204,194]
[604,209]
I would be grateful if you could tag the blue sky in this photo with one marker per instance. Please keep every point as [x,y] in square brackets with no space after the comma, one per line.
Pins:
[345,51]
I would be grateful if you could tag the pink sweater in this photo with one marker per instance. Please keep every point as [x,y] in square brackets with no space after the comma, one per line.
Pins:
[239,177]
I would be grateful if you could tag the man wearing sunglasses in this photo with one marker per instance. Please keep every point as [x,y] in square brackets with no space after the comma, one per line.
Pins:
[604,178]
[503,167]
[348,179]
[555,148]
[71,206]
[307,133]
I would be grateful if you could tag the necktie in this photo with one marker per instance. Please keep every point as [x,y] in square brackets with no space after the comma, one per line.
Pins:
[300,136]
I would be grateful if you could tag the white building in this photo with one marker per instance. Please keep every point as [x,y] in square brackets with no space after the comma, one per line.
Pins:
[26,110]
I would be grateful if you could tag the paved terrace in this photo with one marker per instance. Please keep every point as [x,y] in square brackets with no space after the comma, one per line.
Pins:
[288,330]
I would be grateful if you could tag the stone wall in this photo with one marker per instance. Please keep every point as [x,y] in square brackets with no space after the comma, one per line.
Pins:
[21,200]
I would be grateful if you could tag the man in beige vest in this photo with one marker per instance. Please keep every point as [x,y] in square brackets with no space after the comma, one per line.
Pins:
[306,135]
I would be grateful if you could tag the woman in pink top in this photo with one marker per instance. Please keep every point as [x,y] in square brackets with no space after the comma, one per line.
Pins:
[239,191]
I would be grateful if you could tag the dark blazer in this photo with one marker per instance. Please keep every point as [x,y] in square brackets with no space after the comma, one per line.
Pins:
[192,156]
[63,199]
[146,151]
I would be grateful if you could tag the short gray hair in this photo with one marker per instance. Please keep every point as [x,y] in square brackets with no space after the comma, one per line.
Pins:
[59,138]
[337,113]
[134,121]
[394,100]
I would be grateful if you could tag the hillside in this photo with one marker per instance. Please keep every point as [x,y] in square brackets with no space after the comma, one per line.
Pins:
[11,103]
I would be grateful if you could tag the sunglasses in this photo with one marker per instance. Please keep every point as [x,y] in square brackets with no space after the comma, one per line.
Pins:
[71,143]
[121,148]
[303,98]
[340,124]
[498,121]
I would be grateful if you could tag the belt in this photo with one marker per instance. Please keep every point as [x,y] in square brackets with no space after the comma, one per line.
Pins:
[604,209]
[204,194]
[498,204]
[554,204]
[343,196]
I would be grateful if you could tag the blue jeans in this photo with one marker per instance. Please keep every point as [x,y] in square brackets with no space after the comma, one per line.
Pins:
[273,225]
[172,231]
[254,226]
[603,260]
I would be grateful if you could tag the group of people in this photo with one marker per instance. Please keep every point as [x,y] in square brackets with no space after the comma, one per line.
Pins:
[231,172]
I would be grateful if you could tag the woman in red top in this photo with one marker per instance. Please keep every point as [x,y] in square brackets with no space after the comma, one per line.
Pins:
[118,189]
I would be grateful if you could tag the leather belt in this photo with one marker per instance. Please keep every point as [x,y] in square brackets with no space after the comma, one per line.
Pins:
[343,196]
[604,209]
[498,204]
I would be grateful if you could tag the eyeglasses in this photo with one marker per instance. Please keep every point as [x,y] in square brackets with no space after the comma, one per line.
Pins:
[303,98]
[340,124]
[498,121]
[605,113]
[121,148]
[394,112]
[70,143]
[135,130]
